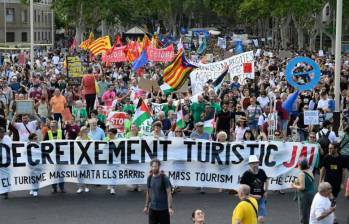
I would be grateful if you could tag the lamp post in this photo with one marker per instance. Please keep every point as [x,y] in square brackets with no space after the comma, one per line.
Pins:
[5,28]
[31,6]
[338,53]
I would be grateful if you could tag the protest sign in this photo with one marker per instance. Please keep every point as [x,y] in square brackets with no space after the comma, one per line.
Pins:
[116,120]
[116,55]
[311,117]
[204,72]
[221,42]
[146,127]
[285,54]
[187,162]
[25,107]
[74,67]
[160,55]
[157,107]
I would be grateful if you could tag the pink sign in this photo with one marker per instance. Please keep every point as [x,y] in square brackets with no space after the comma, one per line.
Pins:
[116,55]
[160,55]
[21,59]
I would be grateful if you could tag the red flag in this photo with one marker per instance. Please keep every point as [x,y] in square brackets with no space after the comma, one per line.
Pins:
[247,67]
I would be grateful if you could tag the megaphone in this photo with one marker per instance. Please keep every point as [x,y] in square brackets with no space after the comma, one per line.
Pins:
[289,102]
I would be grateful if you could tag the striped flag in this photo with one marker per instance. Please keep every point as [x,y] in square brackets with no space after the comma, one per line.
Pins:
[175,74]
[86,43]
[100,45]
[142,113]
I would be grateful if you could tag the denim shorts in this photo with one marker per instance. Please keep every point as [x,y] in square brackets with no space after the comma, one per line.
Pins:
[262,208]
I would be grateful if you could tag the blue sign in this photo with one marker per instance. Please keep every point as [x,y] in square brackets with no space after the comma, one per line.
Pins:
[313,76]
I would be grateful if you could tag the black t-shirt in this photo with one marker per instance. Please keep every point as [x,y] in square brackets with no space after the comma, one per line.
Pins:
[238,114]
[334,169]
[255,181]
[224,120]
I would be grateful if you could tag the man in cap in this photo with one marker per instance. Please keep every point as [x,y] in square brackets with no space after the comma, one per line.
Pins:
[257,180]
[199,133]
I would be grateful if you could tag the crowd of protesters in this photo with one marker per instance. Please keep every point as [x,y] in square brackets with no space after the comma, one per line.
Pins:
[248,110]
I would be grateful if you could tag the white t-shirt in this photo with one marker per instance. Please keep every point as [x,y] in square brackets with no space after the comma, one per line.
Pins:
[6,140]
[320,205]
[263,101]
[55,60]
[23,132]
[263,119]
[323,104]
[239,133]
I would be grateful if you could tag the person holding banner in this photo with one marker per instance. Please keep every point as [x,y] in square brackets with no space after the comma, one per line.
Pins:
[6,140]
[83,135]
[111,136]
[257,180]
[33,138]
[55,134]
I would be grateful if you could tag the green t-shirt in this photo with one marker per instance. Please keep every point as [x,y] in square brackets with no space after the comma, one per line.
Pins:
[166,108]
[83,114]
[197,109]
[216,107]
[101,117]
[127,125]
[130,107]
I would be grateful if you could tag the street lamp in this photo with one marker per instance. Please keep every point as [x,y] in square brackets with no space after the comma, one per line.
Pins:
[31,7]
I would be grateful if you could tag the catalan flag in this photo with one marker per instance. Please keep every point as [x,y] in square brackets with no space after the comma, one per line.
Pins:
[176,74]
[100,45]
[86,43]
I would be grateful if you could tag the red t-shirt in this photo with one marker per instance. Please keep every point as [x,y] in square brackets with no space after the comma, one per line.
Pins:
[89,85]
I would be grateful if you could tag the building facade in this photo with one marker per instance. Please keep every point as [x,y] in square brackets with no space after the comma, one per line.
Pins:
[15,22]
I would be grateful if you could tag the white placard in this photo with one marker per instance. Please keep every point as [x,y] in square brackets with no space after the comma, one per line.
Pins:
[311,117]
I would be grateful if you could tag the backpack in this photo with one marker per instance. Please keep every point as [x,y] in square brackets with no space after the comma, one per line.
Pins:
[323,140]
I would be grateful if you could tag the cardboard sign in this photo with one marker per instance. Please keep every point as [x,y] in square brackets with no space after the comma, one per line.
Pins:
[285,54]
[24,106]
[311,117]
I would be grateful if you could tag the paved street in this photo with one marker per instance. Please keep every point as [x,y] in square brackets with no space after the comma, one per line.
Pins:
[98,207]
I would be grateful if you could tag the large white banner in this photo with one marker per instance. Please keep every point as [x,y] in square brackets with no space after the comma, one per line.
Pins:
[204,72]
[187,162]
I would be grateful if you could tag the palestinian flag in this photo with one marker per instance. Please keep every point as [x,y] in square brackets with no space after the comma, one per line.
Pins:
[180,118]
[209,125]
[175,74]
[142,113]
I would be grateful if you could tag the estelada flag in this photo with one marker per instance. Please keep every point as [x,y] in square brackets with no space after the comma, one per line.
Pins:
[100,45]
[175,74]
[86,43]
